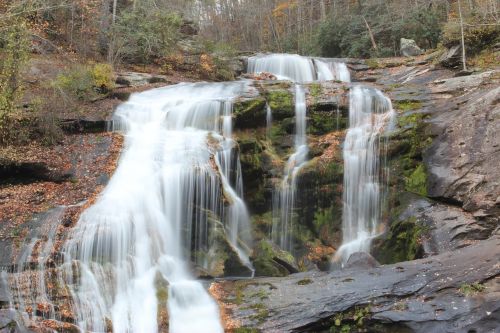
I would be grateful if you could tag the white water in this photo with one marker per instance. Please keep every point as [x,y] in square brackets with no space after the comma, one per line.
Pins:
[284,199]
[370,115]
[156,208]
[328,71]
[177,182]
[269,119]
[299,70]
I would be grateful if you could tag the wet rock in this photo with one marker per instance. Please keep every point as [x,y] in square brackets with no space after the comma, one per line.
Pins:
[361,260]
[221,259]
[249,113]
[462,161]
[269,260]
[4,290]
[10,322]
[409,48]
[426,228]
[422,296]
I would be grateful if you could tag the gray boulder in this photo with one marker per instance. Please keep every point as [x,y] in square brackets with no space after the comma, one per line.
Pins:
[361,260]
[409,48]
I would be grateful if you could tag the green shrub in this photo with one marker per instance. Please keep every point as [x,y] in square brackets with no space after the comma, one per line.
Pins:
[142,36]
[103,77]
[14,54]
[347,35]
[85,82]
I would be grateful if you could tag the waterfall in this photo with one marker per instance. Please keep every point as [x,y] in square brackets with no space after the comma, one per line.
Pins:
[370,115]
[284,198]
[328,71]
[177,182]
[300,70]
[285,66]
[269,120]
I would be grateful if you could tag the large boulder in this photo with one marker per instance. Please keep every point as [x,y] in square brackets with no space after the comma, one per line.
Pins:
[269,260]
[452,57]
[409,48]
[361,260]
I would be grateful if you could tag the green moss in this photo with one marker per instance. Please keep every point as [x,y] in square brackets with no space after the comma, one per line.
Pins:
[373,63]
[407,105]
[162,294]
[471,289]
[245,330]
[315,90]
[304,282]
[281,103]
[250,113]
[402,243]
[261,312]
[351,320]
[264,262]
[323,217]
[417,181]
[261,294]
[324,122]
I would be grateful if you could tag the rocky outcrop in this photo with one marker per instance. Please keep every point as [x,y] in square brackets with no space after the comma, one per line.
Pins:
[463,159]
[409,48]
[452,292]
[135,79]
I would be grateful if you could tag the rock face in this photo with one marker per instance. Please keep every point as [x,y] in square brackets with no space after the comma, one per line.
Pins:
[440,241]
[264,152]
[409,48]
[453,292]
[463,159]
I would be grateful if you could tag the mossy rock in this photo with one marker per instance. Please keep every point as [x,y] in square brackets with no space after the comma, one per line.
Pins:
[249,113]
[401,243]
[319,199]
[416,182]
[323,122]
[281,102]
[220,259]
[269,260]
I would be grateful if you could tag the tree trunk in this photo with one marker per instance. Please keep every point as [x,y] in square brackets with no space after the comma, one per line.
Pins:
[462,32]
[371,34]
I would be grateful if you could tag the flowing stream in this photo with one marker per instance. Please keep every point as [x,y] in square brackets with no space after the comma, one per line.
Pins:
[177,187]
[370,115]
[299,70]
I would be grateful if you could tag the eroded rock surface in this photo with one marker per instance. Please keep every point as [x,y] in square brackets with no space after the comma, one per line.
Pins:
[426,295]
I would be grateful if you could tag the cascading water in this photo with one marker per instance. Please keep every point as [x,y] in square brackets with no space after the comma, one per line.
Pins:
[299,70]
[178,180]
[370,115]
[284,199]
[328,71]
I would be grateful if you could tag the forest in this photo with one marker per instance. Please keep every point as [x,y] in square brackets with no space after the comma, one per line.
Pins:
[246,166]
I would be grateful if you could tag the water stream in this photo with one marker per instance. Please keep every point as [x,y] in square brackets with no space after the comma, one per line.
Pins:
[177,187]
[299,70]
[370,115]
